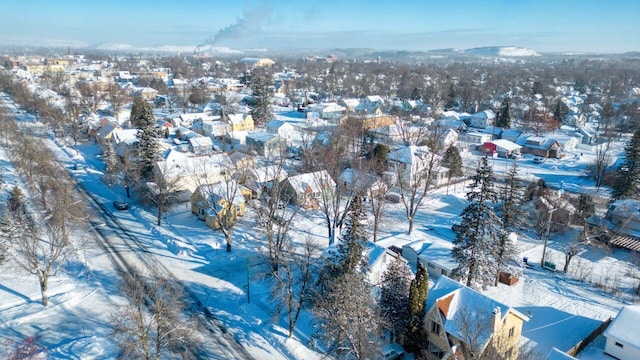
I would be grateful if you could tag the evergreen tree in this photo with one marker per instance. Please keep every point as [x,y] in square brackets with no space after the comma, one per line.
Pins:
[348,320]
[147,147]
[354,239]
[511,214]
[477,238]
[17,201]
[394,296]
[418,292]
[260,86]
[111,163]
[503,119]
[453,161]
[627,180]
[560,111]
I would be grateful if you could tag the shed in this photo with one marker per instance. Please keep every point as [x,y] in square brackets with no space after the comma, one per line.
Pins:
[622,337]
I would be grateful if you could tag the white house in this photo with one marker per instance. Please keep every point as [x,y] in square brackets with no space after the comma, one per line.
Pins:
[216,129]
[433,252]
[200,144]
[623,340]
[281,128]
[409,163]
[482,119]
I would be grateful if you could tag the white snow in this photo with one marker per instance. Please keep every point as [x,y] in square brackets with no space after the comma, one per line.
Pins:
[562,308]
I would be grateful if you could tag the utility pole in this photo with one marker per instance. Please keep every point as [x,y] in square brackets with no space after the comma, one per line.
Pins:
[248,281]
[544,248]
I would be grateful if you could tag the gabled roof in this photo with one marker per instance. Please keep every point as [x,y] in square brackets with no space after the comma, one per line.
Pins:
[506,144]
[311,181]
[408,154]
[456,301]
[624,328]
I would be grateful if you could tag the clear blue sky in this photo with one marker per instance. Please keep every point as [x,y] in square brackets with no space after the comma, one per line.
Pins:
[543,25]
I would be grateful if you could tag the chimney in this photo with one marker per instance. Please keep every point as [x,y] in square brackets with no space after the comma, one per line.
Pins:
[497,317]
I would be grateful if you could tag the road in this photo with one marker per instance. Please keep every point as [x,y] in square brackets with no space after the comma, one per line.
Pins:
[128,255]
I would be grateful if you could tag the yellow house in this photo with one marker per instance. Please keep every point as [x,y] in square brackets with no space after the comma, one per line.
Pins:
[219,202]
[241,122]
[462,323]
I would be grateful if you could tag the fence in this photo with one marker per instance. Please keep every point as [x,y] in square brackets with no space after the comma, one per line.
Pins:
[587,340]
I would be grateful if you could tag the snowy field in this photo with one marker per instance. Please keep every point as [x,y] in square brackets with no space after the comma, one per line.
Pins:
[76,325]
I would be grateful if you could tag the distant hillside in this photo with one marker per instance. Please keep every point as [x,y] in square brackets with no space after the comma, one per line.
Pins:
[501,51]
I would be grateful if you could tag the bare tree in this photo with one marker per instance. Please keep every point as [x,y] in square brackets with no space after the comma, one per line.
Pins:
[162,191]
[118,98]
[416,176]
[36,250]
[149,325]
[292,282]
[598,168]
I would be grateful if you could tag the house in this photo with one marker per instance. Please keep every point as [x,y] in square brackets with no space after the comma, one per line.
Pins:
[622,337]
[410,164]
[511,134]
[481,120]
[261,179]
[501,147]
[589,136]
[432,252]
[356,181]
[389,134]
[542,147]
[186,172]
[621,224]
[372,104]
[265,144]
[349,104]
[306,190]
[215,129]
[460,320]
[104,134]
[472,139]
[280,128]
[210,202]
[241,122]
[369,121]
[327,111]
[200,144]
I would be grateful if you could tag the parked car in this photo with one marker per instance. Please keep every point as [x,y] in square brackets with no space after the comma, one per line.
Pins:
[120,205]
[538,160]
[392,352]
[514,156]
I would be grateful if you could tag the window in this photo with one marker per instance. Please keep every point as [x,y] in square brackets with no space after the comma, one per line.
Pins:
[435,350]
[512,331]
[435,327]
[619,345]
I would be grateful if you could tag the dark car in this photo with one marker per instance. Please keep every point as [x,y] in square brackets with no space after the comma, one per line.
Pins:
[120,205]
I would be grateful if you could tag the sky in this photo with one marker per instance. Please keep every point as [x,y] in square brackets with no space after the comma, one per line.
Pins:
[543,25]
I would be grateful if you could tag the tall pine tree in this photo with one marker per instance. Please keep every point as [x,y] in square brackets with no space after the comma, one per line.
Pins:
[503,119]
[627,180]
[147,147]
[394,296]
[348,319]
[453,161]
[418,292]
[476,246]
[510,213]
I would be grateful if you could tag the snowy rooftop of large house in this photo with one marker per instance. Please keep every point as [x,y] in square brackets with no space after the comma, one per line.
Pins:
[261,136]
[624,327]
[199,141]
[178,164]
[460,304]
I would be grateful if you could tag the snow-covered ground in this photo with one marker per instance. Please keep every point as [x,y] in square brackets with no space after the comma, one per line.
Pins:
[76,324]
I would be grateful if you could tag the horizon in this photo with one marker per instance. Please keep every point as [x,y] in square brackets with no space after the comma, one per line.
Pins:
[564,26]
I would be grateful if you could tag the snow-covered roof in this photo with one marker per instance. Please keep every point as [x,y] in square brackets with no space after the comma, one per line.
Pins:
[624,328]
[201,141]
[313,181]
[127,136]
[408,154]
[506,144]
[458,302]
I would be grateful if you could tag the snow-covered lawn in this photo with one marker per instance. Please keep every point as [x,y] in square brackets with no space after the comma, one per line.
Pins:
[76,324]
